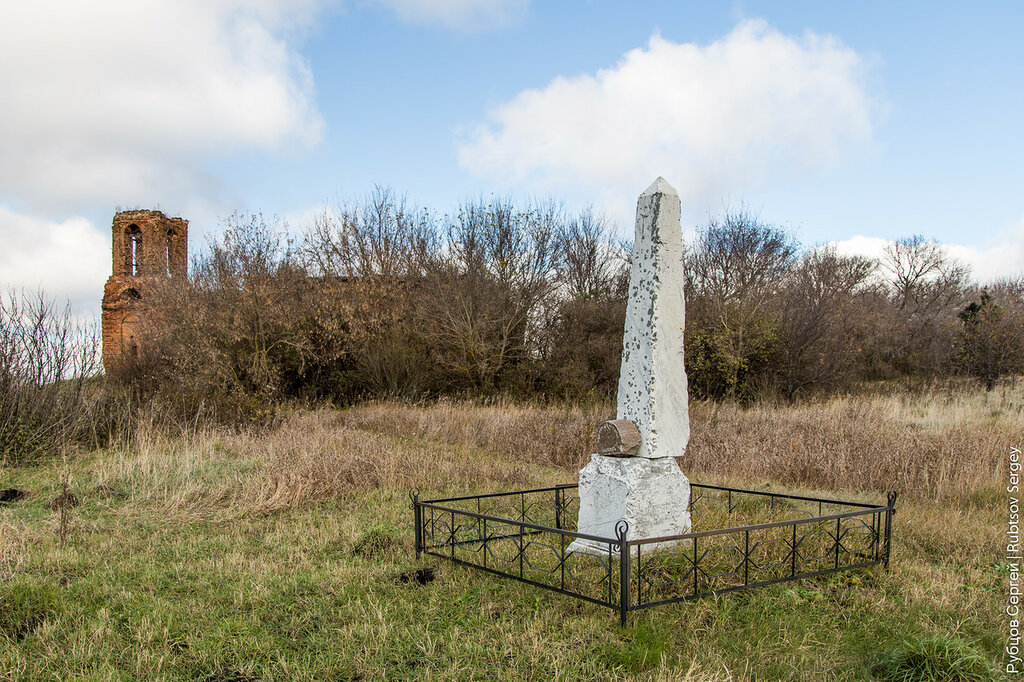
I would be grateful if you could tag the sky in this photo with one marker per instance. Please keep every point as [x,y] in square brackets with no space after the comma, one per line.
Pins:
[852,123]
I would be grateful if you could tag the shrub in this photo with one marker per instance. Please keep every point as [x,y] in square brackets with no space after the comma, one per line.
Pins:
[47,359]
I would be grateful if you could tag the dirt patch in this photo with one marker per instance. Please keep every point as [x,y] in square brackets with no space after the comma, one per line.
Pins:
[23,607]
[417,576]
[230,676]
[12,495]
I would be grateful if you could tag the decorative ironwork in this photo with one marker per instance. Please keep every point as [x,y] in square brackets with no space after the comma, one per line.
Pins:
[528,536]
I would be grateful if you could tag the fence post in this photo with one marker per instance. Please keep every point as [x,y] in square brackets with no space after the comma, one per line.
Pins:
[621,530]
[746,557]
[890,510]
[558,508]
[839,530]
[792,555]
[417,517]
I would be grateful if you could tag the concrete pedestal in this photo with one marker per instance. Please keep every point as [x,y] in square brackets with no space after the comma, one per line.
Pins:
[652,495]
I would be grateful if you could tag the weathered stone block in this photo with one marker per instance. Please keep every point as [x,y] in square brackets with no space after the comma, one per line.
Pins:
[651,495]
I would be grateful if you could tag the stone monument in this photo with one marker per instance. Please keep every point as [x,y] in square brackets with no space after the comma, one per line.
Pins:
[634,476]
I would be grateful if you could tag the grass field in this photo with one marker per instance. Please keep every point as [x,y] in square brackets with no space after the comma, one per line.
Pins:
[281,555]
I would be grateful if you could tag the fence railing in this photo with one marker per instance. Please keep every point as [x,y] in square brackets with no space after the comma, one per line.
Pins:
[527,536]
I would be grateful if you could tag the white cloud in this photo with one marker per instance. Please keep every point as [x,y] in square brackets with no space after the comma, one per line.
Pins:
[713,119]
[68,259]
[119,101]
[1001,256]
[458,14]
[859,245]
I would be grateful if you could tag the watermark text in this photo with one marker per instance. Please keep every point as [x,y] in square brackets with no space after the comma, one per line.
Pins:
[1013,556]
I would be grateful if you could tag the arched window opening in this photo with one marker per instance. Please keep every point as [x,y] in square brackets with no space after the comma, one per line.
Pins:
[134,250]
[168,244]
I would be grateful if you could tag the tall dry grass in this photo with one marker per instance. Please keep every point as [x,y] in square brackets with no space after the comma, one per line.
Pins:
[310,457]
[553,436]
[934,445]
[930,447]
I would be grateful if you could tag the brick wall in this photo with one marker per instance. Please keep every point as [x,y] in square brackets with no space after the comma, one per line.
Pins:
[160,252]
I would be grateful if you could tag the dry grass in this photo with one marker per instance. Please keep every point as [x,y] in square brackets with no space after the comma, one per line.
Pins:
[13,548]
[554,436]
[311,457]
[937,446]
[316,456]
[940,445]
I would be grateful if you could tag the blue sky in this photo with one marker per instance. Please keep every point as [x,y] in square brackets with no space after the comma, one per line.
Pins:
[846,122]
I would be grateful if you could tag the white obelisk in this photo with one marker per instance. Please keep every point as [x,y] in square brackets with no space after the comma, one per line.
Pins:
[645,486]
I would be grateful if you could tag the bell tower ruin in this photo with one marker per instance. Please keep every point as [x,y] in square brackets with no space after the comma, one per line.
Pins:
[147,248]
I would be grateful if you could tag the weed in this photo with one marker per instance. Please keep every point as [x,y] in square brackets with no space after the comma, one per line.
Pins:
[640,648]
[229,675]
[939,658]
[377,542]
[63,504]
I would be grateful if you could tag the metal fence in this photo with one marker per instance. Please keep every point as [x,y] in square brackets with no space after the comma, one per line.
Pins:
[527,535]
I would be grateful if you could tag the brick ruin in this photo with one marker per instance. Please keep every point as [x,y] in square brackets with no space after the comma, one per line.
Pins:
[148,248]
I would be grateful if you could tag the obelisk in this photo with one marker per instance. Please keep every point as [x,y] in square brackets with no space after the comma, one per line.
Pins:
[634,476]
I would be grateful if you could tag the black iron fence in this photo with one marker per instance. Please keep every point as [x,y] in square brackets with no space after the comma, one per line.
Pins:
[531,536]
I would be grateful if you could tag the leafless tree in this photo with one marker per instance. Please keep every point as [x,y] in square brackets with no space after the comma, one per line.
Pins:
[923,277]
[591,261]
[927,290]
[498,272]
[377,237]
[734,271]
[818,324]
[47,357]
[739,262]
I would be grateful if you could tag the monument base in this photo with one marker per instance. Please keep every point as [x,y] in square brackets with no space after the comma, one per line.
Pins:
[652,495]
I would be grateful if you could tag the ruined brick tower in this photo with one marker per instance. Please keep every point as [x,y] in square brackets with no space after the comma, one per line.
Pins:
[148,247]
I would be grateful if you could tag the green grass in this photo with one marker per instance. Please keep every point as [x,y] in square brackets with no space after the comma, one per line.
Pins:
[148,586]
[937,658]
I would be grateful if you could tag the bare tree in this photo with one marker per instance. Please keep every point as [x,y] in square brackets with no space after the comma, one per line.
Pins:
[740,261]
[499,270]
[47,357]
[735,269]
[378,237]
[923,277]
[817,321]
[591,261]
[927,290]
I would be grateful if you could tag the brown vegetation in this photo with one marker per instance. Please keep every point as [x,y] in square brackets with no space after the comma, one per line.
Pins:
[944,446]
[947,443]
[46,360]
[379,300]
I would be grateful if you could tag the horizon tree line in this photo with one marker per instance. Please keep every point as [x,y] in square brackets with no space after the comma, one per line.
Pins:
[380,299]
